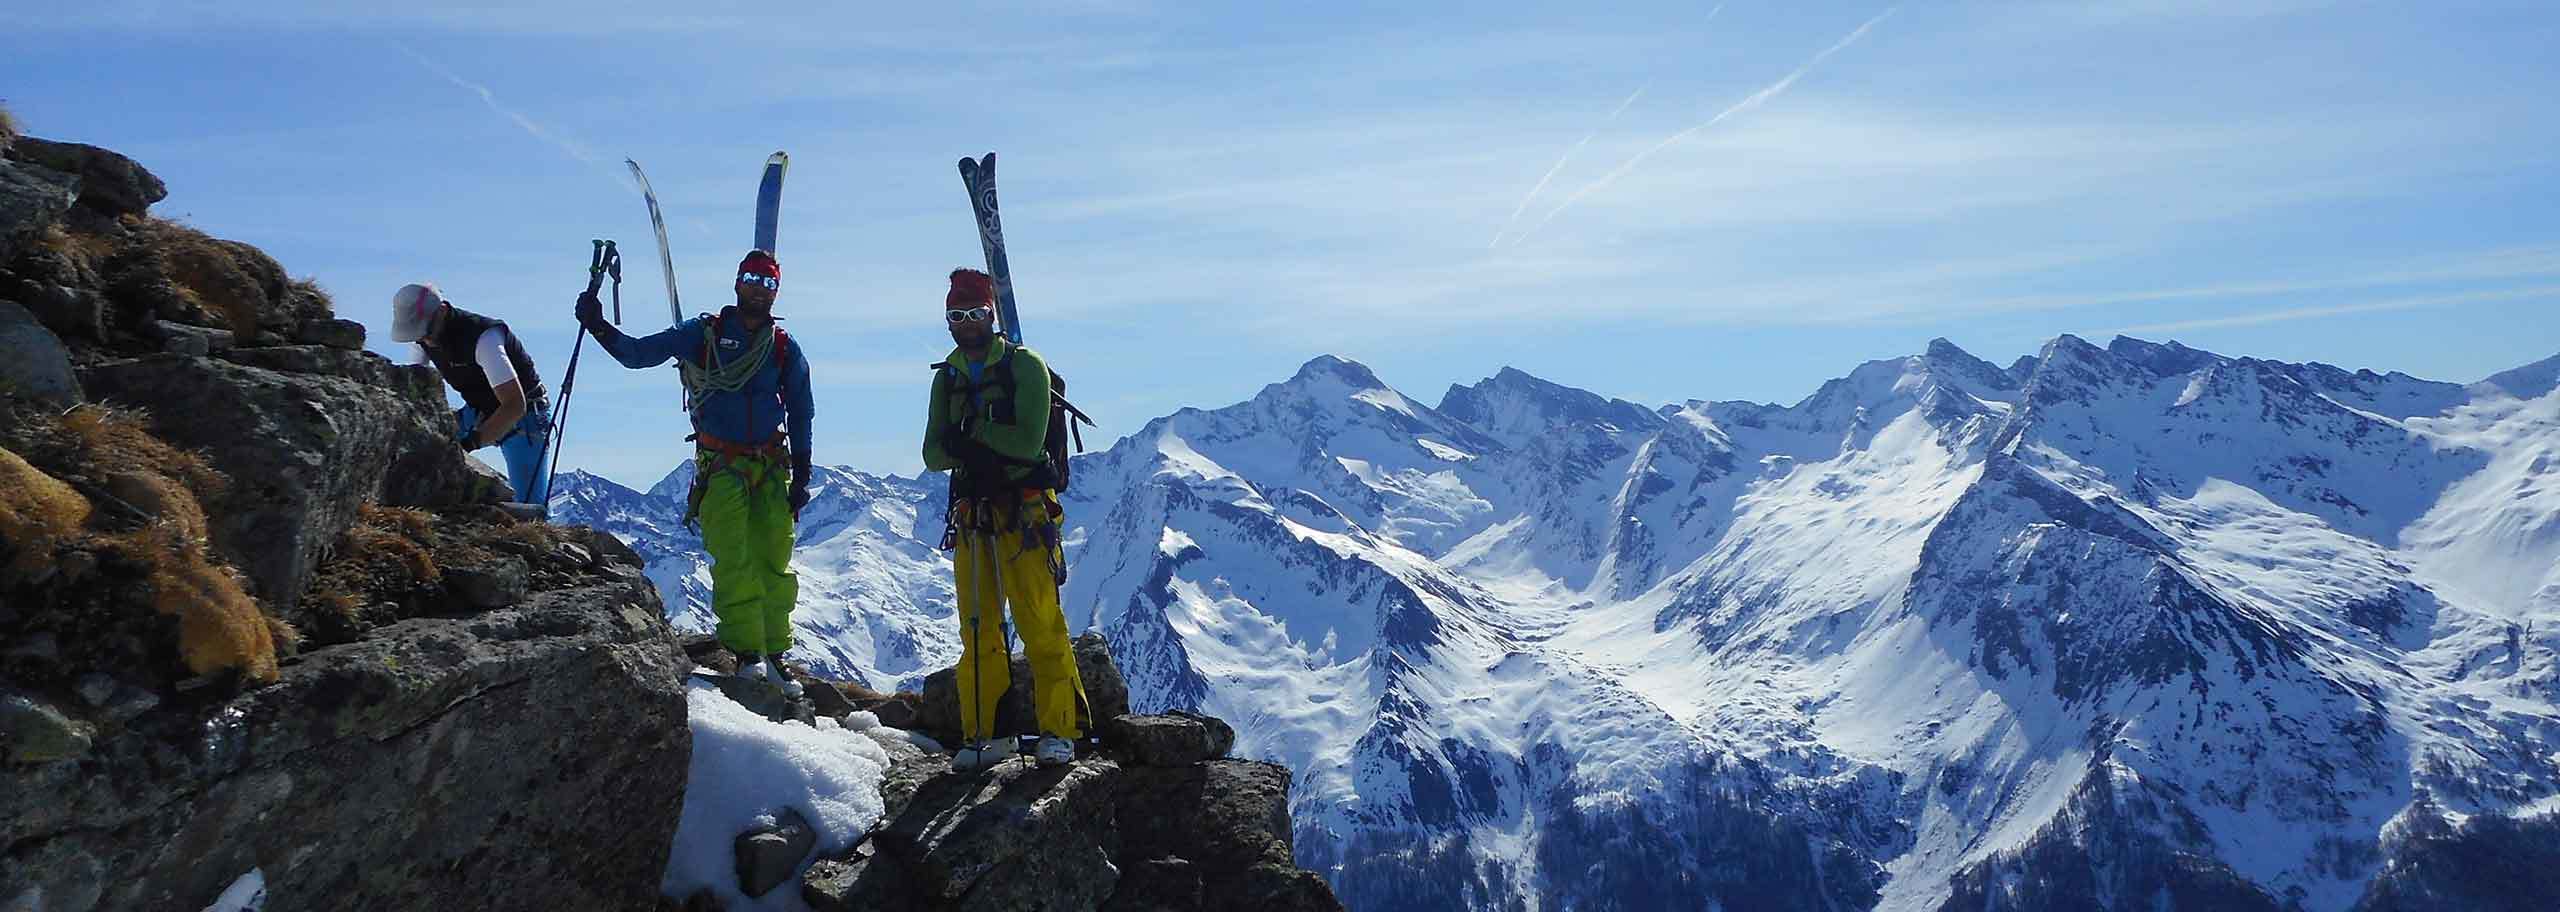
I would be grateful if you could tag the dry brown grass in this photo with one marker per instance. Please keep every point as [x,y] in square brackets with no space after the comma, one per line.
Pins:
[389,555]
[38,513]
[86,252]
[208,272]
[8,126]
[155,523]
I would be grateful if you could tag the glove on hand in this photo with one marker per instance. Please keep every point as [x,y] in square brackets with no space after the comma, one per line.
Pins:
[799,484]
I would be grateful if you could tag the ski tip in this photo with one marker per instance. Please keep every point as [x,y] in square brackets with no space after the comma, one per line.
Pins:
[778,157]
[968,164]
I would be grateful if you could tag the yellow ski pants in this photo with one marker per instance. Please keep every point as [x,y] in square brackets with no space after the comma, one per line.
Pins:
[1010,566]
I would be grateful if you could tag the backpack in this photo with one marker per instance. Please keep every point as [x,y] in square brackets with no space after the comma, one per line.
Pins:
[1051,471]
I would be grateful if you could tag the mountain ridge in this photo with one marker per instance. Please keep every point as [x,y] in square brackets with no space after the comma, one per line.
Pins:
[1516,615]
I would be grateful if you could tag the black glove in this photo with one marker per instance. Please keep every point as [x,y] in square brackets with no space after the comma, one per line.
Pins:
[591,316]
[799,483]
[467,432]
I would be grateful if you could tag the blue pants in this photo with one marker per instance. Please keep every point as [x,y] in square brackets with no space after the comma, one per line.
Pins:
[524,448]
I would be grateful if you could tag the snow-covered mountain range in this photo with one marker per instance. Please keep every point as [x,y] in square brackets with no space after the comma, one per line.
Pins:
[2108,627]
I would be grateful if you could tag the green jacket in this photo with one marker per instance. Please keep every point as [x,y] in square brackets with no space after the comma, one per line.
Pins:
[1017,429]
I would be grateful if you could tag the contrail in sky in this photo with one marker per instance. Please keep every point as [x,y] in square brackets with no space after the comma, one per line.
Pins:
[537,130]
[1559,166]
[1754,100]
[1577,147]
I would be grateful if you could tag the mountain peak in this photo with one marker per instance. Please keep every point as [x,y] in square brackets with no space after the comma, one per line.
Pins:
[1338,370]
[2531,381]
[1514,405]
[2163,358]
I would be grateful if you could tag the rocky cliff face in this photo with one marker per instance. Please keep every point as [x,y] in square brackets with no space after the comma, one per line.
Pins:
[256,618]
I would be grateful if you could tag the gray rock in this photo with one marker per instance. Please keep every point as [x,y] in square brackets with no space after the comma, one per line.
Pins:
[611,551]
[1228,818]
[500,582]
[762,698]
[1092,835]
[72,313]
[195,341]
[332,332]
[1017,837]
[1107,696]
[33,361]
[767,856]
[33,731]
[96,688]
[825,699]
[110,183]
[302,451]
[1157,885]
[300,359]
[31,198]
[38,647]
[895,712]
[1171,739]
[530,758]
[76,565]
[487,483]
[862,884]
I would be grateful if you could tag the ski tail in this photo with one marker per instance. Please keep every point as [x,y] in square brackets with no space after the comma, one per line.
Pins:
[666,258]
[769,201]
[979,175]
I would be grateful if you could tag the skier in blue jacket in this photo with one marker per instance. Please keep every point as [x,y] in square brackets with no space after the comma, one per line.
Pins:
[748,388]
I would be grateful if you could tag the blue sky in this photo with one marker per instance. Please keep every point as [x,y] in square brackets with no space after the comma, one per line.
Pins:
[1730,201]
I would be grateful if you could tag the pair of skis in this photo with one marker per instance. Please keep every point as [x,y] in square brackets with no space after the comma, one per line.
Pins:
[979,175]
[768,220]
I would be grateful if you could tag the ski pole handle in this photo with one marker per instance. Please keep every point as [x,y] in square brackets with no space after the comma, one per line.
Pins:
[595,267]
[613,267]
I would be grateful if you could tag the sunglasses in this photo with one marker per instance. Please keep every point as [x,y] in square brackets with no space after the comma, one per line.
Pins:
[770,283]
[979,314]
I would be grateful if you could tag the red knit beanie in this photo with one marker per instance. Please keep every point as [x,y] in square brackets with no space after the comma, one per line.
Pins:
[970,288]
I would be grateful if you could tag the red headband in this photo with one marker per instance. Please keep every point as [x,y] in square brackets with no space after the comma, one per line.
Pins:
[760,263]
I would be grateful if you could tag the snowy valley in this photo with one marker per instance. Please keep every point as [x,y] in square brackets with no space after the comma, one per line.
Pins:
[2107,626]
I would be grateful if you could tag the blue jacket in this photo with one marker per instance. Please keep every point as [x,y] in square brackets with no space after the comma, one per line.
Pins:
[776,396]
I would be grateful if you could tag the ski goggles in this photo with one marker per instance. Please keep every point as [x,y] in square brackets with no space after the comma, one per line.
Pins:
[978,314]
[768,283]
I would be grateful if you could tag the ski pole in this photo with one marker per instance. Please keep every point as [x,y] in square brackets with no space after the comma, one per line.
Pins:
[604,261]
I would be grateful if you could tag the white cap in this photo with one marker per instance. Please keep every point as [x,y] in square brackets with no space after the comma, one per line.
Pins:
[412,308]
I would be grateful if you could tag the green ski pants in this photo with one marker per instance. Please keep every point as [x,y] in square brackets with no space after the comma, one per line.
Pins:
[747,527]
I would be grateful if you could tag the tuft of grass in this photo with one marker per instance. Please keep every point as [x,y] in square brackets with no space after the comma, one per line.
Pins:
[388,555]
[8,127]
[38,513]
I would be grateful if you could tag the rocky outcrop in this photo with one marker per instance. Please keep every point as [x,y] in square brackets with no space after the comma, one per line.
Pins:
[303,448]
[454,762]
[1151,816]
[110,184]
[488,713]
[1084,836]
[228,356]
[1100,834]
